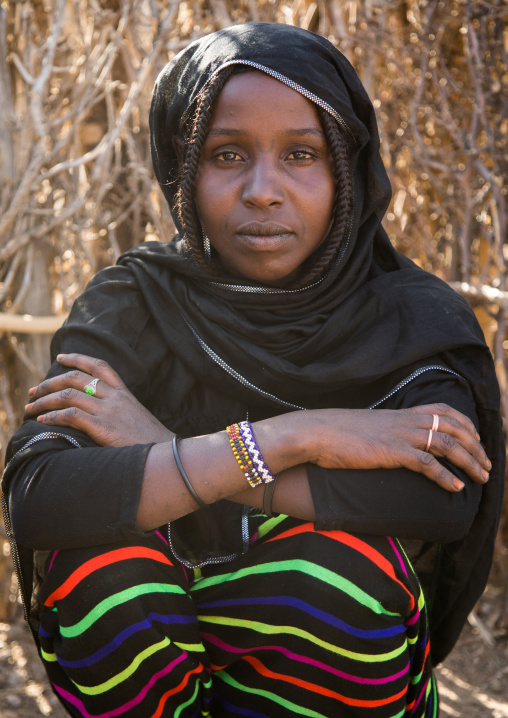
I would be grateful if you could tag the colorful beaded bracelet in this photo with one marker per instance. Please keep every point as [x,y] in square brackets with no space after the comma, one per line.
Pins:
[254,452]
[242,456]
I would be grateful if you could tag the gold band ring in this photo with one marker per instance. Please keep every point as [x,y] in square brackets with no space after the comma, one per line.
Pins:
[435,426]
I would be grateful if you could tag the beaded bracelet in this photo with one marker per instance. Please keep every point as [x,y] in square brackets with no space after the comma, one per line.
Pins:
[248,455]
[242,455]
[254,452]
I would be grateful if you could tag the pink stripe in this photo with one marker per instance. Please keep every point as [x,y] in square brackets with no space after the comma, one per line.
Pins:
[303,659]
[403,567]
[126,706]
[413,619]
[158,533]
[52,559]
[420,696]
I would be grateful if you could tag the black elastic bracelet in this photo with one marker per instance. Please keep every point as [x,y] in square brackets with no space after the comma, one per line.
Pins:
[184,476]
[268,497]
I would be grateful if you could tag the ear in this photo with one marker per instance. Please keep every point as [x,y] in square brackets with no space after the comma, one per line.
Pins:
[178,147]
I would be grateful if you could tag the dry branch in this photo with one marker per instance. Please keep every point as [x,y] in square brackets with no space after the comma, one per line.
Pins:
[28,324]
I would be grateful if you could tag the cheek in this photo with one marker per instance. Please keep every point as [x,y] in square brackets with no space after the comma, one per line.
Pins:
[319,201]
[212,201]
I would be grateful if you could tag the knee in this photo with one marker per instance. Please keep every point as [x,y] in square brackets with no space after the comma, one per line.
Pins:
[95,580]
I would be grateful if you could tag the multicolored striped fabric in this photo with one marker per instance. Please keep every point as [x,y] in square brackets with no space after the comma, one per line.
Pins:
[306,623]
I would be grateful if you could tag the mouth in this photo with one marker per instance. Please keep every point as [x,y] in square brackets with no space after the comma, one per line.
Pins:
[263,229]
[263,235]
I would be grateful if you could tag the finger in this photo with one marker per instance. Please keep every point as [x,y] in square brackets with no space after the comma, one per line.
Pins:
[97,368]
[450,427]
[71,416]
[459,426]
[448,448]
[445,412]
[75,379]
[426,464]
[67,397]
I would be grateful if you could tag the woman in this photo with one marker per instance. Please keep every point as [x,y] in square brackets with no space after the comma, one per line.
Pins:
[284,314]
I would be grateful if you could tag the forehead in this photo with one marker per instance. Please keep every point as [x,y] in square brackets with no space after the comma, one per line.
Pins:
[255,94]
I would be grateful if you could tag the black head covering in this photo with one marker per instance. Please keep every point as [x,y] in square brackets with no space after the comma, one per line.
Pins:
[343,341]
[313,66]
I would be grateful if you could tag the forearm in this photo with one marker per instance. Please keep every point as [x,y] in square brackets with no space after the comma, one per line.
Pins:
[65,498]
[292,495]
[214,472]
[393,502]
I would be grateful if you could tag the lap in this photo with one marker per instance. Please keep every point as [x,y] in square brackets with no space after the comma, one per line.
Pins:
[302,622]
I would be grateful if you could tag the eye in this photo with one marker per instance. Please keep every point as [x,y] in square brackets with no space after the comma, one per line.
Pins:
[301,155]
[228,156]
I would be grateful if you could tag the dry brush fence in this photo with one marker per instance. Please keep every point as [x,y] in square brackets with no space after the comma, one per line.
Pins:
[77,189]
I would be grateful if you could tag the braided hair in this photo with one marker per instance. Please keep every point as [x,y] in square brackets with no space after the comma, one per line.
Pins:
[194,134]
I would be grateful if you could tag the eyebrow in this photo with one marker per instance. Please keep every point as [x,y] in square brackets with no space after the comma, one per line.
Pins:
[298,131]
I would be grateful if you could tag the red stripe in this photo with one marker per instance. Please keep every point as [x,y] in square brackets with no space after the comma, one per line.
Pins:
[354,543]
[260,668]
[106,559]
[180,687]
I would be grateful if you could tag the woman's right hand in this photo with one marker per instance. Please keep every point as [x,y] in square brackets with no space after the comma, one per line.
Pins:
[369,439]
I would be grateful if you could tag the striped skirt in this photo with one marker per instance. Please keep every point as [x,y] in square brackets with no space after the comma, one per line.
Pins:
[306,623]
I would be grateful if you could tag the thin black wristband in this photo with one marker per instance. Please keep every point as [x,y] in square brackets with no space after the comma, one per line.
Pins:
[268,496]
[184,476]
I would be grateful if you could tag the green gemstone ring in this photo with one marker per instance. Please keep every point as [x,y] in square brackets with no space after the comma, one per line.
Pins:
[91,387]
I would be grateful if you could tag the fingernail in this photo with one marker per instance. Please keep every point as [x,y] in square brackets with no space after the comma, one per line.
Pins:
[489,464]
[459,485]
[28,407]
[32,391]
[41,418]
[60,356]
[478,436]
[485,475]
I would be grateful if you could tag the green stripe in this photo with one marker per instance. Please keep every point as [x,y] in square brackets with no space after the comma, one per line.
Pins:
[126,673]
[207,684]
[191,700]
[268,628]
[309,568]
[193,647]
[271,697]
[49,657]
[270,524]
[115,600]
[435,696]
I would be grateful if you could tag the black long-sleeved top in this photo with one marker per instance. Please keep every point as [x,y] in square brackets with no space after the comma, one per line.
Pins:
[62,497]
[64,491]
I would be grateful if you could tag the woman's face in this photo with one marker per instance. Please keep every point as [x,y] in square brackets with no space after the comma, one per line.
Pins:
[265,188]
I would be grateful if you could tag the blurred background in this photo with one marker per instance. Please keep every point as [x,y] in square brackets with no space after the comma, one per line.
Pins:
[77,187]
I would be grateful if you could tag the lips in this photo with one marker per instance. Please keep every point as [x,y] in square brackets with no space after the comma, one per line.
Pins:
[263,229]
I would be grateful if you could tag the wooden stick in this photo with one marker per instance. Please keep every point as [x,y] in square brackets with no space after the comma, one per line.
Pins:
[29,324]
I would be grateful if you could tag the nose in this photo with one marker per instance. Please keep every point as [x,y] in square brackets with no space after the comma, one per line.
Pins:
[263,185]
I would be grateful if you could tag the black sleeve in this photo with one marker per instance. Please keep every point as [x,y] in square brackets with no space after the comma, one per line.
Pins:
[61,497]
[63,494]
[400,502]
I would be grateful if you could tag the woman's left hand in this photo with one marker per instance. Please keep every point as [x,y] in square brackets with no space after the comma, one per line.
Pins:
[111,416]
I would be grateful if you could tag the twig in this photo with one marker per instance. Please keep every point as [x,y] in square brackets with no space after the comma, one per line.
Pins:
[29,324]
